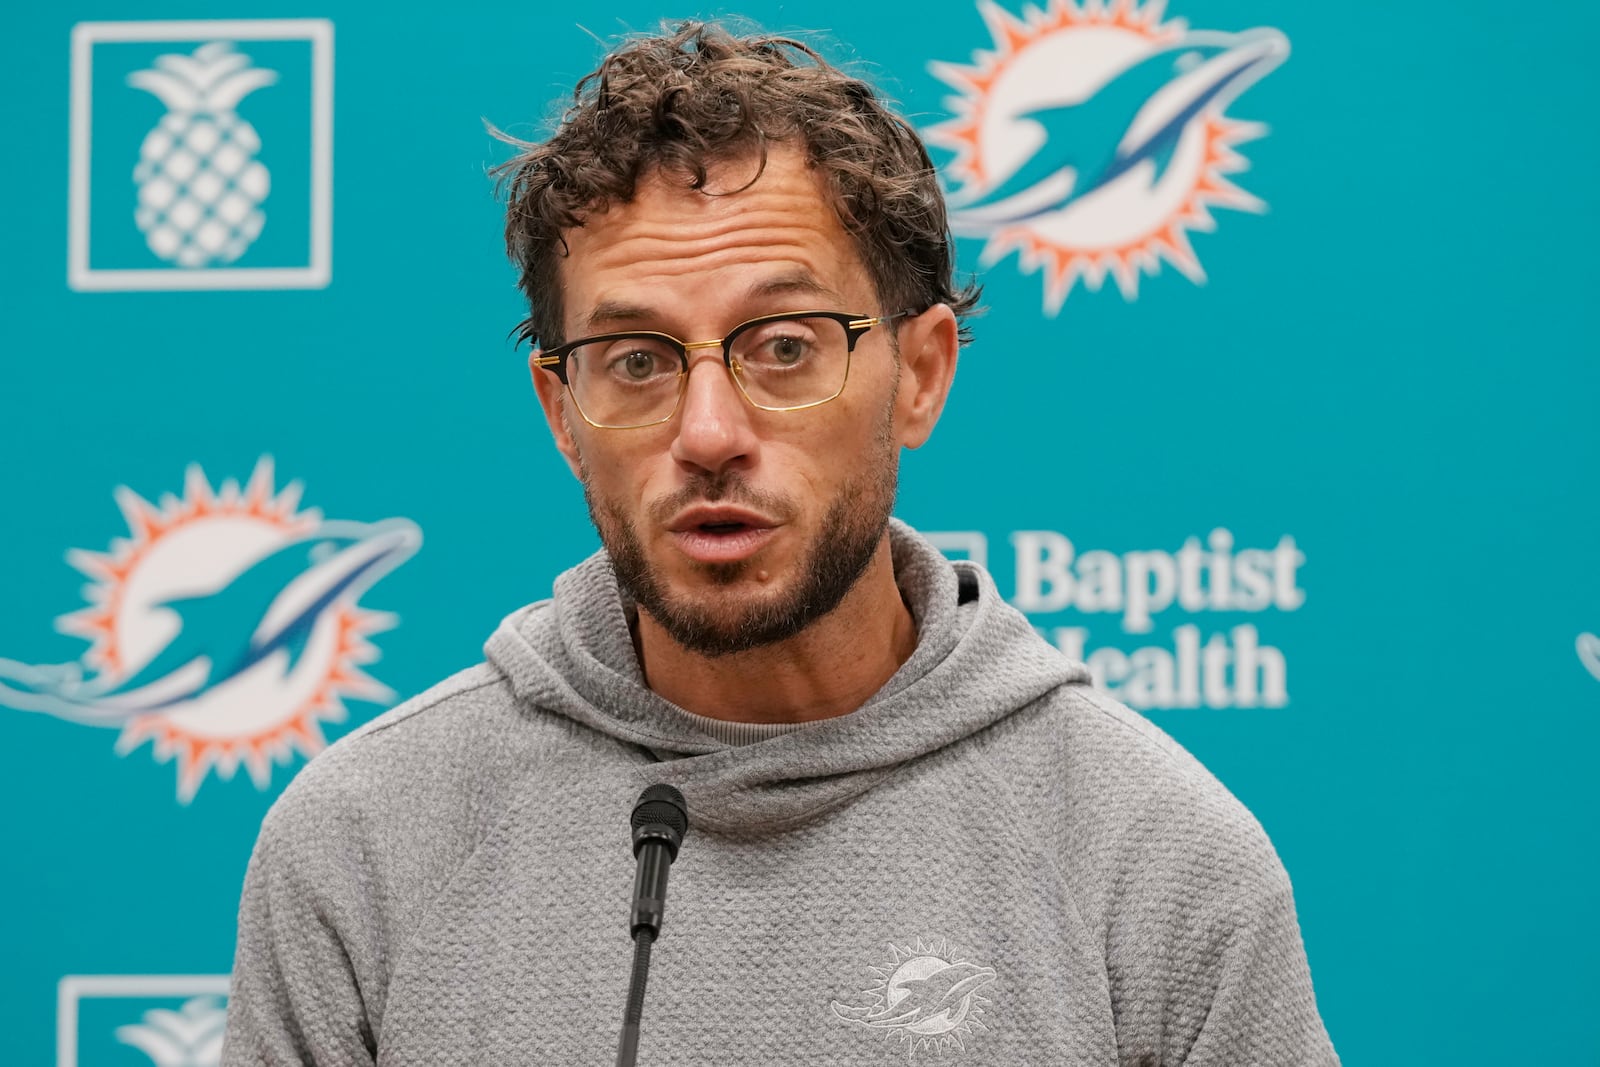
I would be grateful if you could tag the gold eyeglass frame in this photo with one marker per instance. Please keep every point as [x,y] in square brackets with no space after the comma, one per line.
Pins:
[555,359]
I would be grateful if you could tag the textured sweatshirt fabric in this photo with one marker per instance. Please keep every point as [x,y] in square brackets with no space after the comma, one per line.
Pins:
[989,862]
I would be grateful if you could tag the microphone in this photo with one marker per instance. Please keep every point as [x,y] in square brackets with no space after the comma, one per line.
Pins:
[660,819]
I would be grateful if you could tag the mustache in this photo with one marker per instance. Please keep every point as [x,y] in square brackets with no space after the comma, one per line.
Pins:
[728,487]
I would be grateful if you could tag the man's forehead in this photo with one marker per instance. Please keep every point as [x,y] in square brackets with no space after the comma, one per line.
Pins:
[777,235]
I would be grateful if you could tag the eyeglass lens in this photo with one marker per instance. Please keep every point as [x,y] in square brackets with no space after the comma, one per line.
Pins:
[636,380]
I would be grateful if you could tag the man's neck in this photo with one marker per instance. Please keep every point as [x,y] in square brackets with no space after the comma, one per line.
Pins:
[831,668]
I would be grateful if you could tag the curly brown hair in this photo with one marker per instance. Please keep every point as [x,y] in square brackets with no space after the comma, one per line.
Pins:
[698,95]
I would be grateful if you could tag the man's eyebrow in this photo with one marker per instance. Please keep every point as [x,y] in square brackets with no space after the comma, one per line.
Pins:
[800,281]
[621,313]
[617,313]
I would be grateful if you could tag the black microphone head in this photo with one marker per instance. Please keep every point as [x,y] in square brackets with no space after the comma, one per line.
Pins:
[662,815]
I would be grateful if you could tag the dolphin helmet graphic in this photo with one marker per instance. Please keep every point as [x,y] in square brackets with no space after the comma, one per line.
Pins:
[1094,137]
[269,608]
[1093,142]
[224,629]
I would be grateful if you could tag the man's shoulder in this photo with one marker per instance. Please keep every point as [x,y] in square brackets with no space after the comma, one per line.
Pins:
[1178,880]
[1104,740]
[435,760]
[459,700]
[1100,739]
[467,703]
[1134,810]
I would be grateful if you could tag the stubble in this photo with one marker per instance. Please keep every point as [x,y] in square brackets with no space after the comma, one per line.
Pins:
[721,620]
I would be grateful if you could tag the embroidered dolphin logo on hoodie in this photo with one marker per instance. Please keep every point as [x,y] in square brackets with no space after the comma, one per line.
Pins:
[913,1002]
[272,606]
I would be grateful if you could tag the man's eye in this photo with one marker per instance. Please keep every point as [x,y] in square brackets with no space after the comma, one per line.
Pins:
[786,349]
[781,350]
[636,364]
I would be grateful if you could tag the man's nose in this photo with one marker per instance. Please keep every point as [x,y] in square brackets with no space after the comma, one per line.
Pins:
[715,430]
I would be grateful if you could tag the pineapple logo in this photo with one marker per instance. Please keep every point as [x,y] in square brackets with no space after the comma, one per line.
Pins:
[226,128]
[200,183]
[188,1037]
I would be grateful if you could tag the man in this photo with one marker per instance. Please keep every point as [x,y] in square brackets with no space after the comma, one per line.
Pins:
[916,828]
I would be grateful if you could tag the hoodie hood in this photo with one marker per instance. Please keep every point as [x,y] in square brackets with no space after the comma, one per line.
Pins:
[977,661]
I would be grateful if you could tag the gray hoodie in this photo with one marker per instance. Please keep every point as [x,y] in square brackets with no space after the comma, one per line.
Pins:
[989,862]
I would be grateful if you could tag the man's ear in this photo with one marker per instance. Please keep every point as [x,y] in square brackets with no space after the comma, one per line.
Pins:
[552,395]
[929,344]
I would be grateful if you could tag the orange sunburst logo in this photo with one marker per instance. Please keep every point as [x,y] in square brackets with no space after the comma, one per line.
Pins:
[1092,138]
[225,629]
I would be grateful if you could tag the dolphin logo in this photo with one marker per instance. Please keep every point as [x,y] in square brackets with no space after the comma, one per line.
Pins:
[1589,652]
[920,1001]
[270,607]
[1136,117]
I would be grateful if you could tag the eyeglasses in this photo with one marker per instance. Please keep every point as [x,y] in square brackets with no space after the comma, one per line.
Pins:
[779,362]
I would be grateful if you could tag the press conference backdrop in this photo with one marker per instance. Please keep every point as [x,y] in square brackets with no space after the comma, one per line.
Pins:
[1282,415]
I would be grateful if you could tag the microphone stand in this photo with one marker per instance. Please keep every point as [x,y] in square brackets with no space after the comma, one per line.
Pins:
[628,1050]
[660,820]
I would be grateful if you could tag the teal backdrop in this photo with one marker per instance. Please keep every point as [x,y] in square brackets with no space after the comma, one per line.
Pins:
[1317,492]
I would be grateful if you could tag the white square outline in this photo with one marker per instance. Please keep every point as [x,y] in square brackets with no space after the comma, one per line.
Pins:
[316,275]
[76,987]
[974,543]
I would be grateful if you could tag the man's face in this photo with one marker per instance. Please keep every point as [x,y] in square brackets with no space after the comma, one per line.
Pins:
[731,526]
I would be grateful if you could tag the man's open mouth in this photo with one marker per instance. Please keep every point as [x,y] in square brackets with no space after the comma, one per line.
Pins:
[720,534]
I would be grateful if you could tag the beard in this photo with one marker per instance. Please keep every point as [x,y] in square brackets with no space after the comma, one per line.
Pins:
[722,623]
